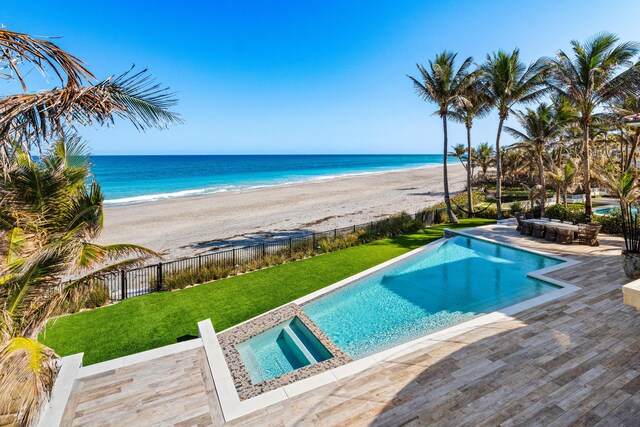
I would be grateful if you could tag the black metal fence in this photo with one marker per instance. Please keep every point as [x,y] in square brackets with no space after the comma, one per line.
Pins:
[152,278]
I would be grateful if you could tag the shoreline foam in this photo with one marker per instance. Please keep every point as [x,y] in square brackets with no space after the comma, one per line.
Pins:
[148,198]
[186,226]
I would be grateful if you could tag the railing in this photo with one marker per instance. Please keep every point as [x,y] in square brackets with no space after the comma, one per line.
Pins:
[152,278]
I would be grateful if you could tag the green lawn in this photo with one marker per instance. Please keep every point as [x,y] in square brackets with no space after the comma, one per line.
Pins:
[163,318]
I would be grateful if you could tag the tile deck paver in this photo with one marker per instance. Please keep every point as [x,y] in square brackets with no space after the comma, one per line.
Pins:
[171,390]
[572,361]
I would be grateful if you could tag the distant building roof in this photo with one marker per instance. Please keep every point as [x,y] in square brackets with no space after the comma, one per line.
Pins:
[632,120]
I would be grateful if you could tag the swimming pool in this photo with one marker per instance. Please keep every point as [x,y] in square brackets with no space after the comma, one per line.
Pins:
[462,278]
[610,209]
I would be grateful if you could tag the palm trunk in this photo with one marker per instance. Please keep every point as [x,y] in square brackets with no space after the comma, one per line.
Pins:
[469,195]
[499,170]
[543,190]
[447,200]
[586,184]
[631,157]
[559,163]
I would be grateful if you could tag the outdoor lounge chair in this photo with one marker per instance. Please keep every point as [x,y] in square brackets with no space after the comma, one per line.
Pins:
[527,229]
[588,234]
[551,233]
[565,236]
[538,230]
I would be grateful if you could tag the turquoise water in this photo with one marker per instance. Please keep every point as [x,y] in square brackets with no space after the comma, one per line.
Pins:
[610,210]
[429,291]
[134,179]
[281,349]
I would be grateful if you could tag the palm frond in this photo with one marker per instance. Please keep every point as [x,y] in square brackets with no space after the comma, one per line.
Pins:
[39,116]
[18,49]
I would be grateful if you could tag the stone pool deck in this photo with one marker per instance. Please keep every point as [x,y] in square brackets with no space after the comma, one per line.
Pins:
[570,361]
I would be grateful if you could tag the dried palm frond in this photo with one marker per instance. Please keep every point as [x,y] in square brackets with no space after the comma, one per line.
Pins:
[27,371]
[16,49]
[29,120]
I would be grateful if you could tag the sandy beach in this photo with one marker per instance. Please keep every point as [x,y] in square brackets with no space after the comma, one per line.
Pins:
[191,225]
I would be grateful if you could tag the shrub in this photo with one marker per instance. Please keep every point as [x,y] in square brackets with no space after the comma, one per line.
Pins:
[98,296]
[216,271]
[570,213]
[93,295]
[535,211]
[459,199]
[180,279]
[393,226]
[516,207]
[491,213]
[612,223]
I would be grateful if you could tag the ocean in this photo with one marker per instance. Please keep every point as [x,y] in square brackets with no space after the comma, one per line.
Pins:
[136,179]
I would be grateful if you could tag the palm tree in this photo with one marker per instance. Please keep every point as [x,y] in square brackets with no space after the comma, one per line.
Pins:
[563,178]
[50,213]
[445,86]
[533,192]
[627,106]
[32,117]
[484,156]
[508,81]
[459,151]
[478,106]
[597,72]
[540,127]
[514,163]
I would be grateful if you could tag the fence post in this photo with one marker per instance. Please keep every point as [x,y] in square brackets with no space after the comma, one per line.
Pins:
[199,262]
[123,284]
[314,241]
[233,256]
[354,229]
[263,251]
[290,248]
[159,284]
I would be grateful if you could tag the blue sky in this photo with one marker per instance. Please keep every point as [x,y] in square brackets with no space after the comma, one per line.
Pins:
[301,77]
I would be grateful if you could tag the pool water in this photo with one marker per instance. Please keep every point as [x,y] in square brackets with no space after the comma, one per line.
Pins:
[281,349]
[608,210]
[432,290]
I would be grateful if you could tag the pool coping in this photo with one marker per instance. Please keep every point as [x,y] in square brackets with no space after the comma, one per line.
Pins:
[233,407]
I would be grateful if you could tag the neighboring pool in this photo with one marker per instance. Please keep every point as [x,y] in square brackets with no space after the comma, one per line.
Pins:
[608,210]
[432,290]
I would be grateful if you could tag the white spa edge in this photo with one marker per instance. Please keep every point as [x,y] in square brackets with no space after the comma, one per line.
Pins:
[233,408]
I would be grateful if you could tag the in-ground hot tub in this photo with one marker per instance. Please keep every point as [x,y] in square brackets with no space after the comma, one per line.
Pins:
[284,348]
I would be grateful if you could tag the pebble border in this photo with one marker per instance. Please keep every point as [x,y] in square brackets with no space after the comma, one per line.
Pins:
[241,379]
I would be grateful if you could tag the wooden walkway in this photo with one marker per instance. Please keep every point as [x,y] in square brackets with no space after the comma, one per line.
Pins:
[573,361]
